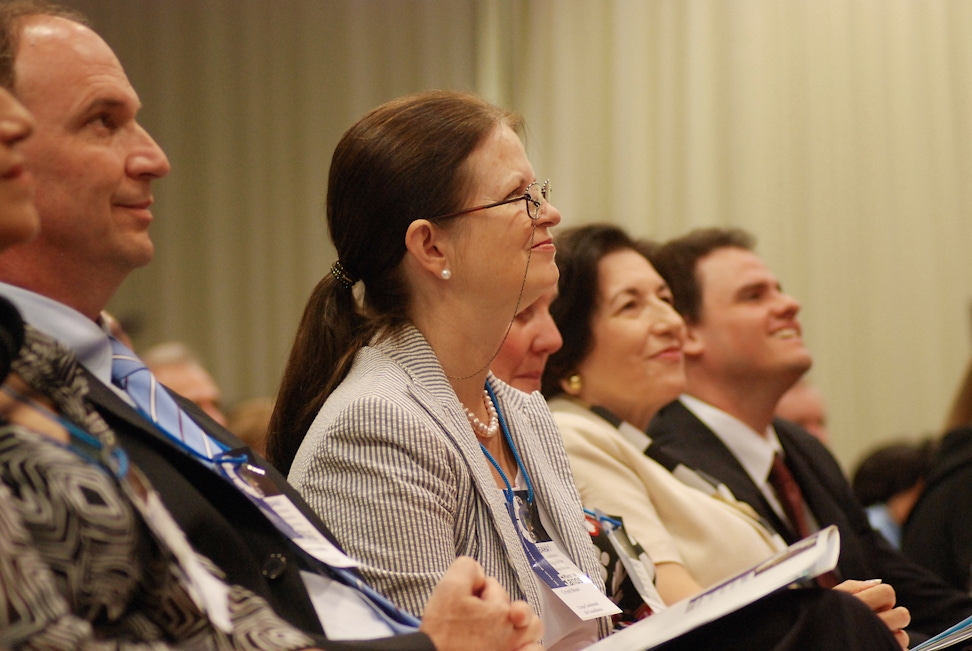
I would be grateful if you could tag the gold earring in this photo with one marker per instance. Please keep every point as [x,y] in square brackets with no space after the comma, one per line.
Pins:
[574,383]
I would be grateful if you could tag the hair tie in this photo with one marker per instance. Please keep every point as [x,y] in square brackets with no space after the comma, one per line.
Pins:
[339,273]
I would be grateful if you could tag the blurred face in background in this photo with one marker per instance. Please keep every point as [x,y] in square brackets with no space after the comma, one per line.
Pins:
[533,338]
[804,405]
[18,217]
[192,381]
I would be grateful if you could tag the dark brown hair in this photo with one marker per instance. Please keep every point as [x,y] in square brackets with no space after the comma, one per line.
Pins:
[677,259]
[12,15]
[404,160]
[891,469]
[579,252]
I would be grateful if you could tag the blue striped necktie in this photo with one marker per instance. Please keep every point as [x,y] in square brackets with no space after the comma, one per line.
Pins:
[129,373]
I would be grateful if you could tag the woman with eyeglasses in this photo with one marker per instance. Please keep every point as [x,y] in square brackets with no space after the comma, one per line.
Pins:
[388,419]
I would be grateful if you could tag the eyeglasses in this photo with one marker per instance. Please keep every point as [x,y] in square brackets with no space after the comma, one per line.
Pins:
[535,200]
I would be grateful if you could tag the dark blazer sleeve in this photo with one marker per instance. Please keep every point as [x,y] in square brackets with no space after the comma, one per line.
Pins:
[224,525]
[865,554]
[937,534]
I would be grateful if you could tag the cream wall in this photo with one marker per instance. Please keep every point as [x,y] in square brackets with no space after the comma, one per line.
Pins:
[838,131]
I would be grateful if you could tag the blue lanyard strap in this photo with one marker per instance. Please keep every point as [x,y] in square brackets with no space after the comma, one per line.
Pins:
[105,454]
[516,455]
[604,519]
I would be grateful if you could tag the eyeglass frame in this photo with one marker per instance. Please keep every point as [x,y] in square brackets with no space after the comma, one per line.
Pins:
[526,196]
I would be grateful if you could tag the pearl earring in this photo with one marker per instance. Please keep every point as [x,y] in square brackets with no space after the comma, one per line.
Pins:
[574,383]
[446,274]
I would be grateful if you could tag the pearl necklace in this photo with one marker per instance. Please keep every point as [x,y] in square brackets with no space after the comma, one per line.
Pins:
[480,428]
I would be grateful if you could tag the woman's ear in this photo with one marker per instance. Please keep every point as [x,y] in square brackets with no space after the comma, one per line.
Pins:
[424,241]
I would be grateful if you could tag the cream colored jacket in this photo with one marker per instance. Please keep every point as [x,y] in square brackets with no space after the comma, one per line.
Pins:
[713,536]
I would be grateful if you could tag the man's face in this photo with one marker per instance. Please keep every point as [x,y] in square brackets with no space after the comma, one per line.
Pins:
[92,162]
[749,329]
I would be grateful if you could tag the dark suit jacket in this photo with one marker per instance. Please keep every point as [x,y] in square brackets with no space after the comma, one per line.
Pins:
[865,554]
[222,524]
[937,534]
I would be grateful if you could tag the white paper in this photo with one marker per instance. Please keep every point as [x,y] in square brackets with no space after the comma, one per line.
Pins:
[209,593]
[308,537]
[580,594]
[343,612]
[803,560]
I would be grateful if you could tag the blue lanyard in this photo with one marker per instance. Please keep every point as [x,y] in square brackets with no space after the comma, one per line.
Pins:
[109,457]
[235,456]
[604,519]
[516,455]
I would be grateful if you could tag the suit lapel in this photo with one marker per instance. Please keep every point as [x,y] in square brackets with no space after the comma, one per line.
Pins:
[446,410]
[107,401]
[431,390]
[818,499]
[680,433]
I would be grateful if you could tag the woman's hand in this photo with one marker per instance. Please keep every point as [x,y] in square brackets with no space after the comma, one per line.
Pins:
[880,598]
[469,611]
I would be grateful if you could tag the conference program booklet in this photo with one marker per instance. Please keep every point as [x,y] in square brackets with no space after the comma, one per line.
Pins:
[953,635]
[803,560]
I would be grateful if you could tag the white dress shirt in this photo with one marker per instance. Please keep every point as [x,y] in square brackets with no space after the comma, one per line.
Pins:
[753,450]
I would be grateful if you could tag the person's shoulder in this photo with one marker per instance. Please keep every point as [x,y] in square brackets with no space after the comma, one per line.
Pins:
[516,403]
[674,425]
[578,423]
[952,465]
[794,434]
[17,441]
[798,441]
[380,403]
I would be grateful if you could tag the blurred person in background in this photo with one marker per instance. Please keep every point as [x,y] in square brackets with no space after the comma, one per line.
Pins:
[888,482]
[181,370]
[804,405]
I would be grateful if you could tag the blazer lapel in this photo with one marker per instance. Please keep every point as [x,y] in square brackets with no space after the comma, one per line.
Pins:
[107,401]
[431,390]
[682,434]
[816,495]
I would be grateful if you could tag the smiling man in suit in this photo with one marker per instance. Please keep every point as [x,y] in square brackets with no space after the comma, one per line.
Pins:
[743,350]
[94,166]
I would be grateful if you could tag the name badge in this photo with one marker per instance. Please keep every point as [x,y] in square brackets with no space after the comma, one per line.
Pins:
[253,482]
[638,565]
[567,581]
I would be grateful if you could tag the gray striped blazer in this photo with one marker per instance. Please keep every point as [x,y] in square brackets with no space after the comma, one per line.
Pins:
[393,468]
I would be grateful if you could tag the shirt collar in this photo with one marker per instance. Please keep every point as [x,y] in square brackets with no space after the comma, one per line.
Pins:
[754,452]
[86,338]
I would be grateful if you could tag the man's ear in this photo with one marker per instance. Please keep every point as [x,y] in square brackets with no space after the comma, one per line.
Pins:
[694,343]
[424,241]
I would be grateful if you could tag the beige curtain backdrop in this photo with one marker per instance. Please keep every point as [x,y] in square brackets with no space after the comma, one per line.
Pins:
[837,131]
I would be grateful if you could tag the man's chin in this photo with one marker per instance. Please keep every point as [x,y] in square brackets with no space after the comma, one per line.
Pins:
[797,370]
[139,255]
